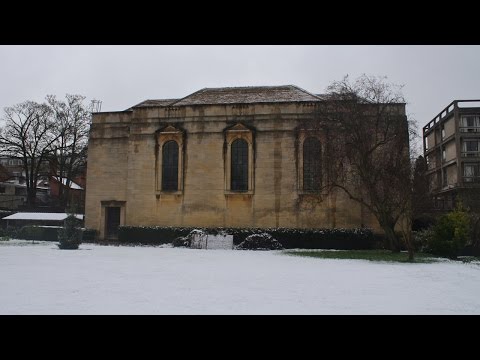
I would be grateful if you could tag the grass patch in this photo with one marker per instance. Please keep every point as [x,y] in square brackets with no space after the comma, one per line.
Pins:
[372,255]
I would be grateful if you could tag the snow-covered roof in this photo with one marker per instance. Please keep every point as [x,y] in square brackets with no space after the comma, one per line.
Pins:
[73,185]
[41,216]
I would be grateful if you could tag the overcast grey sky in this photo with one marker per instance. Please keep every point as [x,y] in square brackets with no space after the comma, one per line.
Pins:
[121,76]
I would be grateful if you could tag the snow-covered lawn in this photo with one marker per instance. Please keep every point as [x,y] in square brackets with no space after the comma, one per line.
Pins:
[40,279]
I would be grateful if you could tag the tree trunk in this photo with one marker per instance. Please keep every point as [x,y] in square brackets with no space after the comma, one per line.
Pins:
[31,198]
[61,195]
[391,237]
[411,254]
[66,195]
[409,245]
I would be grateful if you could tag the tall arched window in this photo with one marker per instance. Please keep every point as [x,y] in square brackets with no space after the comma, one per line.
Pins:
[170,166]
[312,164]
[239,176]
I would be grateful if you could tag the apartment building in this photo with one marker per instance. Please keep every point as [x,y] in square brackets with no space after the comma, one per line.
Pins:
[451,143]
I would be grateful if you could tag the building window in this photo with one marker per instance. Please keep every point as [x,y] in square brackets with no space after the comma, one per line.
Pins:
[169,161]
[470,123]
[312,166]
[443,132]
[445,178]
[239,160]
[239,176]
[471,172]
[470,147]
[444,155]
[170,166]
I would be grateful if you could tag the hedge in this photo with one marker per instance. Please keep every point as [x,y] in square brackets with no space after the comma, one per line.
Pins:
[290,238]
[89,235]
[38,233]
[42,233]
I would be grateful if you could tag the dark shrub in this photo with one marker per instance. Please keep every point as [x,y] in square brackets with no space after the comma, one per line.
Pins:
[50,233]
[289,238]
[70,237]
[181,241]
[341,239]
[422,240]
[262,241]
[423,222]
[30,233]
[12,233]
[89,235]
[450,234]
[154,235]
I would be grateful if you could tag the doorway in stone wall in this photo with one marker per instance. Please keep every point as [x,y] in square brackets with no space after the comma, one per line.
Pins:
[112,222]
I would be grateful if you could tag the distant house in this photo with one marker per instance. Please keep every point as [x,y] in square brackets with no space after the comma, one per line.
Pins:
[76,190]
[13,193]
[12,166]
[4,173]
[13,189]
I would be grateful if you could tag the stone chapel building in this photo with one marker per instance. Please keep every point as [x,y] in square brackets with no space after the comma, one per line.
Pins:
[220,157]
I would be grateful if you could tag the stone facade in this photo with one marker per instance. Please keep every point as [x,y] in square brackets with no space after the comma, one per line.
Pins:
[125,164]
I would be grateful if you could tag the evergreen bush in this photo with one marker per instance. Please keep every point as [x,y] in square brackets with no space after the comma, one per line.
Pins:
[450,234]
[70,237]
[89,235]
[262,241]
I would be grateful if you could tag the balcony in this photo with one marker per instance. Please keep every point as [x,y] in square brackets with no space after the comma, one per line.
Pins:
[470,154]
[471,179]
[469,129]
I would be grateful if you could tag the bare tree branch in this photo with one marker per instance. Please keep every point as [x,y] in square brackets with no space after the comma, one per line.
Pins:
[28,135]
[72,118]
[368,154]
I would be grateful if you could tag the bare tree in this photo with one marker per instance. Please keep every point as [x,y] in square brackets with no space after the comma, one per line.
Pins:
[421,198]
[28,135]
[367,148]
[411,210]
[72,119]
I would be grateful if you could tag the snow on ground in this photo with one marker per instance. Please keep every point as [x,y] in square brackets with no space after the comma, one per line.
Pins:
[40,279]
